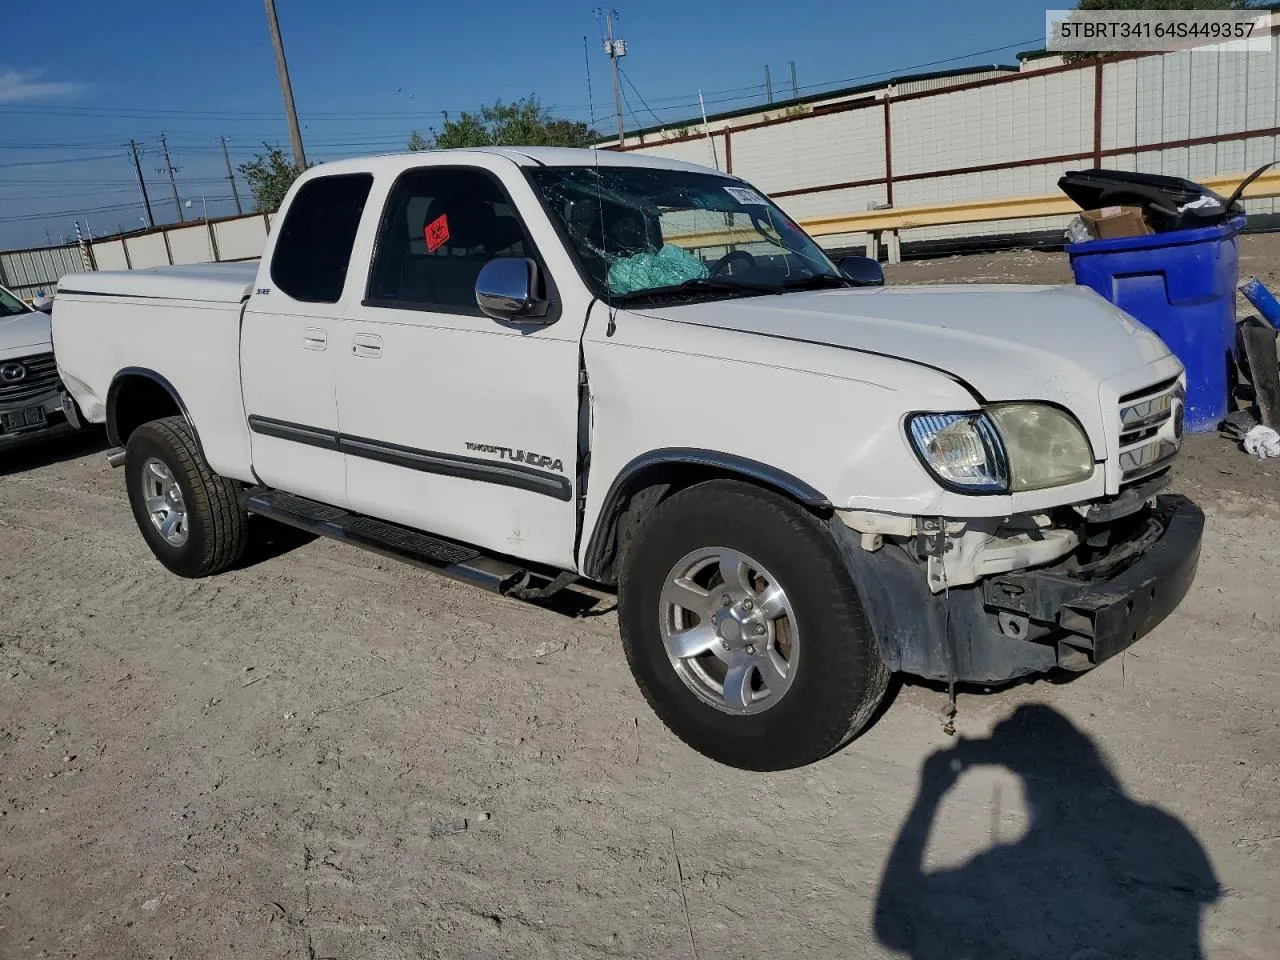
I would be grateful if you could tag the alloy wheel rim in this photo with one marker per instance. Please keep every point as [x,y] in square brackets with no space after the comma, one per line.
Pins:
[164,502]
[729,630]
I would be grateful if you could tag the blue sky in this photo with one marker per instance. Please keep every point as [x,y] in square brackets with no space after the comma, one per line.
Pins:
[365,74]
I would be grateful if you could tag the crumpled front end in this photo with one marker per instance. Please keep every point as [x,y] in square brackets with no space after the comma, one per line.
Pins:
[1131,560]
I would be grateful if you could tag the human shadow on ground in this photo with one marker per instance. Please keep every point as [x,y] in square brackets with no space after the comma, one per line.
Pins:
[1097,876]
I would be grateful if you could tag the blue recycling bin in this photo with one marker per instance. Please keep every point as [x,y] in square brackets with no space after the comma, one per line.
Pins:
[1181,285]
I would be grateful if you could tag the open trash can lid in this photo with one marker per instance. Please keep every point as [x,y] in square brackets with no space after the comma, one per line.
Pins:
[1169,203]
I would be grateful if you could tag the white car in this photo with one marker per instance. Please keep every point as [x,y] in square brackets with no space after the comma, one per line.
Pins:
[526,367]
[34,405]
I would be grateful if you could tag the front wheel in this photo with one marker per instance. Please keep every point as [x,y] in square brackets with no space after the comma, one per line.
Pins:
[190,517]
[744,630]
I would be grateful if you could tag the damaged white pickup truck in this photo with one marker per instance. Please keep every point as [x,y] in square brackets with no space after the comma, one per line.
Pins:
[525,367]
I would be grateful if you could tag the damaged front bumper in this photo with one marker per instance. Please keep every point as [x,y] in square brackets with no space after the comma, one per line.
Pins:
[1007,625]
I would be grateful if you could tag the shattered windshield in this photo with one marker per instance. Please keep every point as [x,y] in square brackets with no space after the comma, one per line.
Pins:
[645,234]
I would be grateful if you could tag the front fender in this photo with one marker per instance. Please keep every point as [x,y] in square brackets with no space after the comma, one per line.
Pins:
[822,424]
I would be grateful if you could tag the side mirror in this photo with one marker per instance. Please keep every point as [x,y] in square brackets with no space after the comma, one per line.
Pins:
[42,303]
[507,289]
[863,271]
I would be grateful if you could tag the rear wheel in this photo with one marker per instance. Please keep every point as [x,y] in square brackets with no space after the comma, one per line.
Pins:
[190,517]
[744,630]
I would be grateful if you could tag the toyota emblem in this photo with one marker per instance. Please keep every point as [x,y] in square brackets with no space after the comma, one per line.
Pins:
[12,373]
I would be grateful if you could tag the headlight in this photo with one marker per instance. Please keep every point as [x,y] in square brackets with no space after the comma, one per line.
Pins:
[962,450]
[1010,447]
[1046,446]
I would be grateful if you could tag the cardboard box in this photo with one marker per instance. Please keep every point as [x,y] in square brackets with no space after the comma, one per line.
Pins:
[1110,223]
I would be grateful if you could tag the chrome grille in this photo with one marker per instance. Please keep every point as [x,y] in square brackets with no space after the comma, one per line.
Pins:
[39,376]
[1151,425]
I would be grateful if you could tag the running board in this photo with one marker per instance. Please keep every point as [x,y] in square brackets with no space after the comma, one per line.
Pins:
[388,539]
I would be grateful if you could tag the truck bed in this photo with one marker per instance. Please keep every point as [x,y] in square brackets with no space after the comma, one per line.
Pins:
[177,326]
[197,282]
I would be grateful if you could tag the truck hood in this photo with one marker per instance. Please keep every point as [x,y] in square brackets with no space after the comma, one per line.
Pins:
[1003,341]
[1007,342]
[25,333]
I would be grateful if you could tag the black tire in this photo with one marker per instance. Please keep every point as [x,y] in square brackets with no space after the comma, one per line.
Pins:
[840,678]
[216,522]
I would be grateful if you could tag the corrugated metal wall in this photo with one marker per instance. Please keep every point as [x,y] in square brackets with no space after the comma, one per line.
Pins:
[28,272]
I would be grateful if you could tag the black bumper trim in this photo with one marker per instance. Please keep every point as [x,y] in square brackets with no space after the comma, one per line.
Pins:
[1103,617]
[1071,623]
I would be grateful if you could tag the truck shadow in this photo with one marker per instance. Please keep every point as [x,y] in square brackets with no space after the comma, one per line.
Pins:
[43,453]
[1097,874]
[269,539]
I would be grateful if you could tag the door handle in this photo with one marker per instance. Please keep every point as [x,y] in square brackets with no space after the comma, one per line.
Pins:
[314,338]
[366,345]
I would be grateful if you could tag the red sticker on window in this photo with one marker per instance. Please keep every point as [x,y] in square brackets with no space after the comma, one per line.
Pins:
[436,233]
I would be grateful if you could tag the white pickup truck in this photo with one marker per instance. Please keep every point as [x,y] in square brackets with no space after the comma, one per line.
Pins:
[526,367]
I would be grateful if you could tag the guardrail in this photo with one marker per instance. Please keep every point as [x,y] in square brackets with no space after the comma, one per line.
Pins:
[892,219]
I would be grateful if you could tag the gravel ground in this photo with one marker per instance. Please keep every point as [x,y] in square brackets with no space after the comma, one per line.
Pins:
[326,755]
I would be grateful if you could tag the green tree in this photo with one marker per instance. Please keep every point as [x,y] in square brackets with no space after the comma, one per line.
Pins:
[524,123]
[417,142]
[269,175]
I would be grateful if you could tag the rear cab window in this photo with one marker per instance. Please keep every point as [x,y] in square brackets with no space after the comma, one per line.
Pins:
[313,252]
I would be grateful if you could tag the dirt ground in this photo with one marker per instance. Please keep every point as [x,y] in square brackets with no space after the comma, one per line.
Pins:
[327,755]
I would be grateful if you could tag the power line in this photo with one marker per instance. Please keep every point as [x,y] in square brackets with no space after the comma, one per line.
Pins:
[41,163]
[637,93]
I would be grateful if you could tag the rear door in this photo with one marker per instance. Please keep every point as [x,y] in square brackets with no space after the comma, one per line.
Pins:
[290,339]
[453,422]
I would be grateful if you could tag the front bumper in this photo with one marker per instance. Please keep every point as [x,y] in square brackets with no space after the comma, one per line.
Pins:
[1026,622]
[60,417]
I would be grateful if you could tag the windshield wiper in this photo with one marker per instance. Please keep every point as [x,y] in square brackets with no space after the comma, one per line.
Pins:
[696,284]
[817,281]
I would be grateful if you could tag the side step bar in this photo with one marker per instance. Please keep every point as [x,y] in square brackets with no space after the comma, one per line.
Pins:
[390,540]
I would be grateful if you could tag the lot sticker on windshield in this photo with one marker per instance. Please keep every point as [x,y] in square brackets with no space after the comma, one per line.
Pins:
[436,233]
[745,195]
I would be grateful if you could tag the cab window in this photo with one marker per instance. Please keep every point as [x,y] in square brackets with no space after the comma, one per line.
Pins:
[439,228]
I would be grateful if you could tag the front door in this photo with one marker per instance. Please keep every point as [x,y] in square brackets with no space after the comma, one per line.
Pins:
[290,339]
[452,422]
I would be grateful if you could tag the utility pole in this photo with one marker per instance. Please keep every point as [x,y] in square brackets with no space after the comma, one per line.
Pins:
[142,185]
[282,68]
[795,90]
[235,194]
[768,83]
[616,49]
[170,169]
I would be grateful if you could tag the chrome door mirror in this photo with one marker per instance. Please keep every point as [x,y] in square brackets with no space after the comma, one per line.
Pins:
[507,289]
[863,271]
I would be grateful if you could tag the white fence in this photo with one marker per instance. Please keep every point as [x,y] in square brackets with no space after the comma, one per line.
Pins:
[1194,113]
[990,134]
[235,238]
